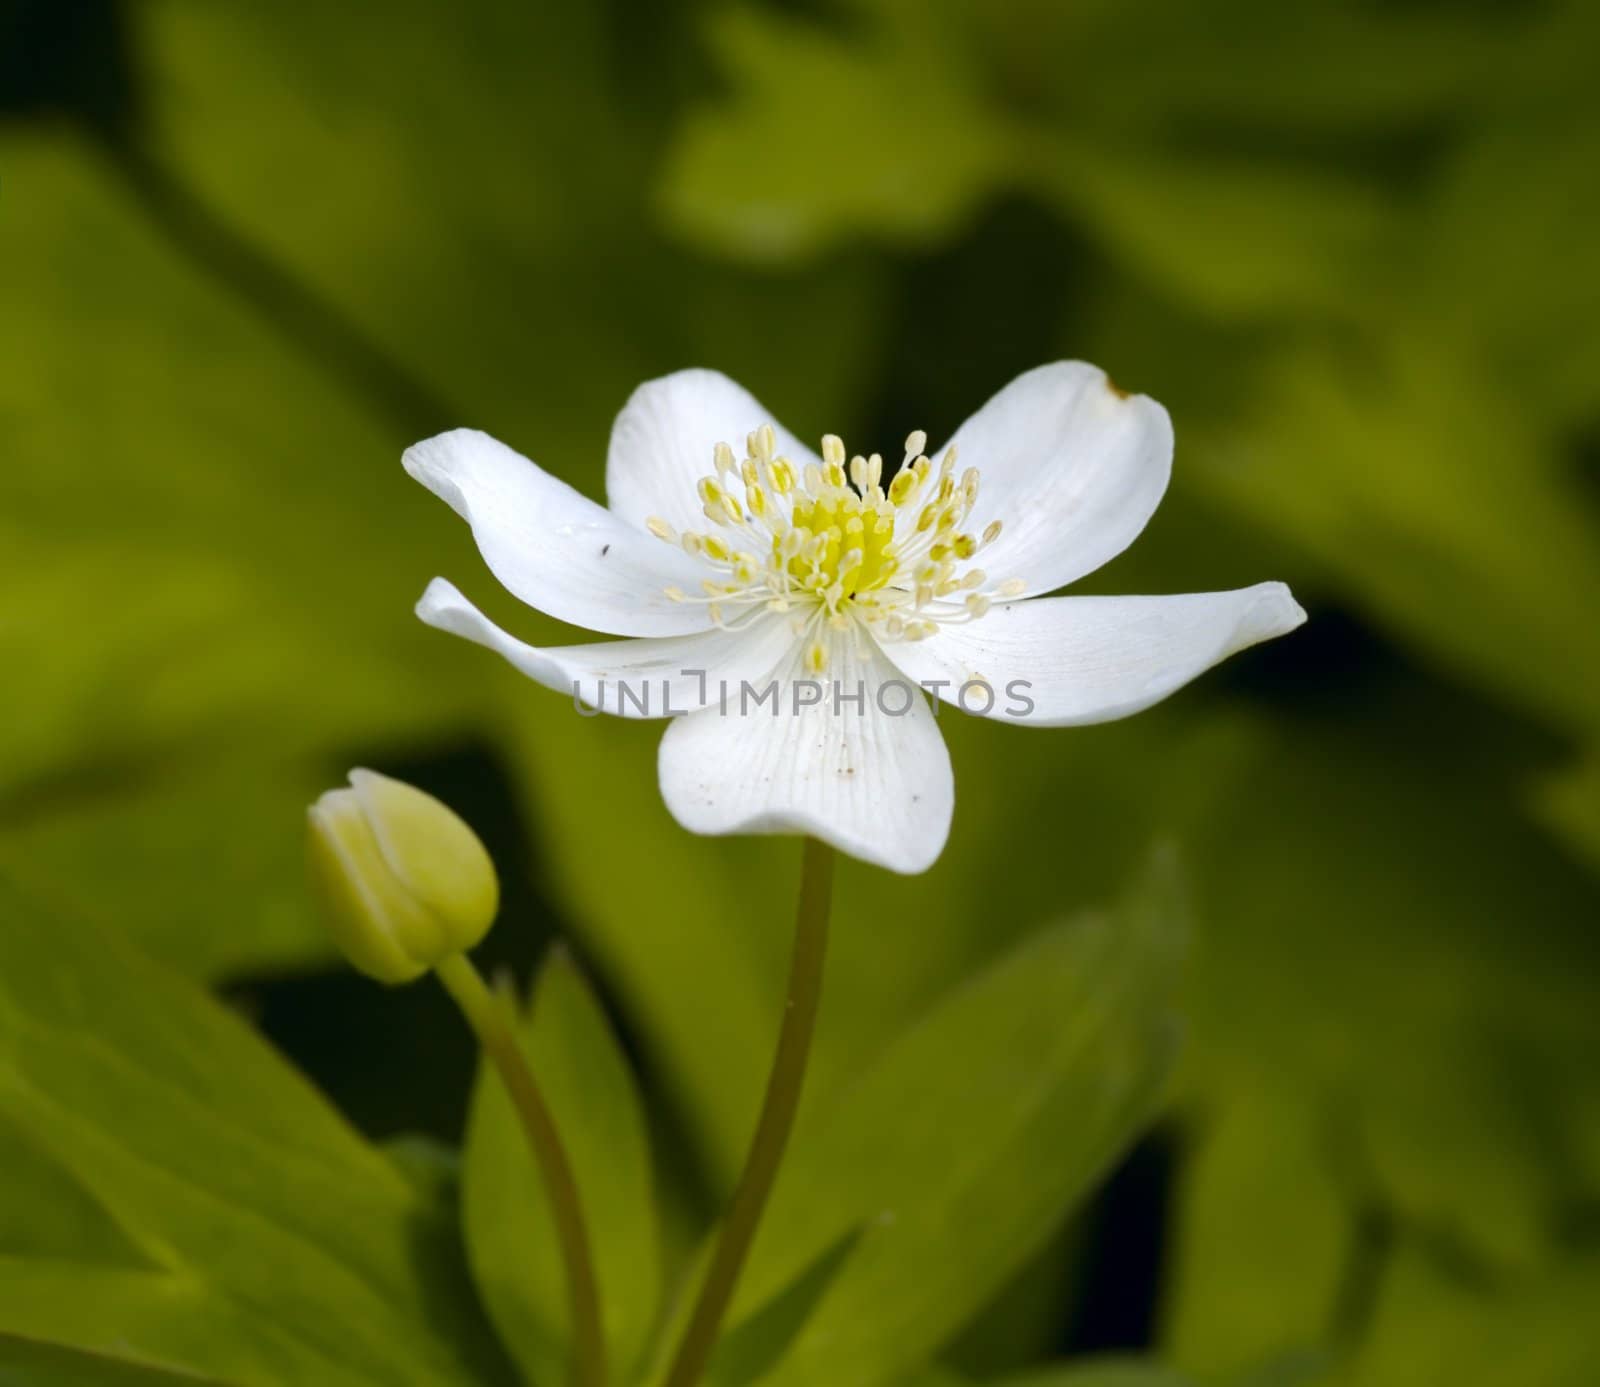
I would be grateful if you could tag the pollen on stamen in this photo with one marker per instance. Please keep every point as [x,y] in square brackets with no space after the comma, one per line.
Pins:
[816,657]
[826,541]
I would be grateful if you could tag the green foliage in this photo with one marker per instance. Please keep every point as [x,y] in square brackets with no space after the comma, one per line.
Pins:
[1438,1326]
[1100,1372]
[761,175]
[222,1219]
[949,1160]
[190,1203]
[509,1228]
[1373,355]
[1351,248]
[26,1363]
[1107,1373]
[179,644]
[1260,1193]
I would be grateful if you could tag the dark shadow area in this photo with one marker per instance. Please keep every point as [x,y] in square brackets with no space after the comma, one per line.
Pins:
[75,60]
[1126,1244]
[307,322]
[68,59]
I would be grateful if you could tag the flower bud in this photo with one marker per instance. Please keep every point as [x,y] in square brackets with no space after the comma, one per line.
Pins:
[403,881]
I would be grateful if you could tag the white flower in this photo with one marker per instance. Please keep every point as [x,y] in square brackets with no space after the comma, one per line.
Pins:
[836,581]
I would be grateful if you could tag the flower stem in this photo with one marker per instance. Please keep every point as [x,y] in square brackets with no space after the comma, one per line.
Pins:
[493,1021]
[777,1118]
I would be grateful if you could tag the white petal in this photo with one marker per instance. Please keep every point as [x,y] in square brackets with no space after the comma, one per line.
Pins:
[663,441]
[1091,659]
[1072,468]
[648,678]
[875,785]
[553,547]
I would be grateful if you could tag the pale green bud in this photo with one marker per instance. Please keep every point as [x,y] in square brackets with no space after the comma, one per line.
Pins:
[404,882]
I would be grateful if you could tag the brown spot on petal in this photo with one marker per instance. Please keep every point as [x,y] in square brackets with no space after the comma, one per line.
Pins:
[1117,390]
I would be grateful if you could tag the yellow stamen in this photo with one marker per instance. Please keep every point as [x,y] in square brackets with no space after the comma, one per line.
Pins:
[831,542]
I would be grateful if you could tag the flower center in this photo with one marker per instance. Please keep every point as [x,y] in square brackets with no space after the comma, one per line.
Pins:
[834,545]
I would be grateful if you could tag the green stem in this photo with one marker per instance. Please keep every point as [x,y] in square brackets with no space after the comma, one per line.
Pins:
[494,1023]
[776,1121]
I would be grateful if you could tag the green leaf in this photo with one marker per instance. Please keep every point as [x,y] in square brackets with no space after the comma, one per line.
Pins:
[1446,1088]
[1375,1015]
[1513,272]
[758,175]
[200,630]
[510,1232]
[1087,1372]
[961,1149]
[1418,487]
[1259,1194]
[172,853]
[1570,804]
[1100,1372]
[34,1363]
[272,1243]
[699,968]
[1303,1367]
[1433,1325]
[1227,238]
[935,1376]
[1208,76]
[46,1212]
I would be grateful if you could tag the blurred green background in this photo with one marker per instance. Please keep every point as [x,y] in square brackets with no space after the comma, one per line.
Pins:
[248,252]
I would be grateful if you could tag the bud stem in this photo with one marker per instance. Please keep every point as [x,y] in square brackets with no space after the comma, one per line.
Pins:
[777,1118]
[493,1021]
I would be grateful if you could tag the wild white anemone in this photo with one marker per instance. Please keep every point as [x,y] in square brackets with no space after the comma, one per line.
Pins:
[845,588]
